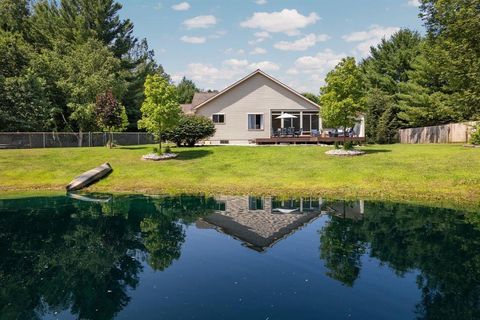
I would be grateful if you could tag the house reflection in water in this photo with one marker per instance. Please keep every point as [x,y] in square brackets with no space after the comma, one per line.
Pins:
[260,222]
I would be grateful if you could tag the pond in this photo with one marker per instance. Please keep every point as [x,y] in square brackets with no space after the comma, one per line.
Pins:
[97,256]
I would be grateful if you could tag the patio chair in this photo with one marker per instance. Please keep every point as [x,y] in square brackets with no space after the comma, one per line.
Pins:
[315,133]
[291,132]
[276,133]
[283,131]
[299,132]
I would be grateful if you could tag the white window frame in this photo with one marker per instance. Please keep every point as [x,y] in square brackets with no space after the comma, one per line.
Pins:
[219,114]
[262,125]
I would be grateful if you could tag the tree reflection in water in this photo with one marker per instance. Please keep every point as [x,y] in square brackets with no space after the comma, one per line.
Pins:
[438,243]
[63,254]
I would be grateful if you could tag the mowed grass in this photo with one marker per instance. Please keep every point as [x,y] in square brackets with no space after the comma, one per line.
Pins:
[425,173]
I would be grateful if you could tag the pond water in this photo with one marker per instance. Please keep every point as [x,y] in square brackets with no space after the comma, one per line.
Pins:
[225,257]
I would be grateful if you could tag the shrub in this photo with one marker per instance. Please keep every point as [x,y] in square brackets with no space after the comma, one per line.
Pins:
[168,150]
[475,137]
[348,145]
[190,130]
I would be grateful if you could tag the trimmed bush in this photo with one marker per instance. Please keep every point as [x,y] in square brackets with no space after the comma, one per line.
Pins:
[190,130]
[475,137]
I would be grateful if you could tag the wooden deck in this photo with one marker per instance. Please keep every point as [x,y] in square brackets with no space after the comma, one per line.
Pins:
[307,140]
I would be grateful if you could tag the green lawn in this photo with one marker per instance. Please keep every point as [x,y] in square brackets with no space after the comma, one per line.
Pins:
[420,173]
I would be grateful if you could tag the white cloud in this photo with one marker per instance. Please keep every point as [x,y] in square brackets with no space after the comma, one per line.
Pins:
[238,52]
[301,44]
[258,50]
[286,21]
[414,3]
[322,62]
[194,40]
[264,66]
[260,2]
[292,71]
[182,6]
[229,71]
[370,37]
[235,63]
[200,22]
[262,34]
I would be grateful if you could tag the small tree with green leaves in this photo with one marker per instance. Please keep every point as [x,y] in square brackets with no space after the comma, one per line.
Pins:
[111,115]
[342,98]
[160,109]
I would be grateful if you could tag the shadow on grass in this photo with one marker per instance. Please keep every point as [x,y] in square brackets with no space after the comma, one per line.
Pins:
[192,154]
[134,147]
[372,151]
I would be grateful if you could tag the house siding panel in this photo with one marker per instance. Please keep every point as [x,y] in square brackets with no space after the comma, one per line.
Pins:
[258,94]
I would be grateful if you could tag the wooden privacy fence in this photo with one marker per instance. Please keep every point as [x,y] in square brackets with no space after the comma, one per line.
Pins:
[447,133]
[25,140]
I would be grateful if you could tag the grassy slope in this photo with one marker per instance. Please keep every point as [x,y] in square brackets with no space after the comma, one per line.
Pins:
[426,173]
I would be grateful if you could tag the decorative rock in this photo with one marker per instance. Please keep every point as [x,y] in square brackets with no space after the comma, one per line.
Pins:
[156,157]
[345,153]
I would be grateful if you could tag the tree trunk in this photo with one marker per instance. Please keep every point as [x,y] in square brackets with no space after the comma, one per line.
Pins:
[160,142]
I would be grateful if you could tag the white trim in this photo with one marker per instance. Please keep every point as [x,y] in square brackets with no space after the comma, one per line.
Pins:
[262,125]
[219,114]
[258,71]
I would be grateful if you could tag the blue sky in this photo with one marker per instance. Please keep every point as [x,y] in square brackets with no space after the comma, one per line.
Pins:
[215,42]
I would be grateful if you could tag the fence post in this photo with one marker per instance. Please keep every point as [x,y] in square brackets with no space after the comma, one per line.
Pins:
[89,138]
[138,138]
[44,140]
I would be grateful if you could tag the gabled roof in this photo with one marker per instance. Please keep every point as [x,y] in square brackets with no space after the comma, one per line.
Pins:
[201,97]
[187,108]
[258,71]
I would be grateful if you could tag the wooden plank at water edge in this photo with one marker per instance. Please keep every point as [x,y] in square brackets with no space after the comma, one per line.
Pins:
[89,177]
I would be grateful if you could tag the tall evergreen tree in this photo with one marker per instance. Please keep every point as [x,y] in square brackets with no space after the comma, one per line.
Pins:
[452,26]
[385,69]
[185,90]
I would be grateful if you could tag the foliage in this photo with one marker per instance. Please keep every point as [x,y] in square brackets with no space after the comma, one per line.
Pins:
[440,244]
[342,98]
[386,69]
[76,49]
[110,114]
[160,110]
[186,89]
[312,97]
[23,106]
[452,27]
[85,258]
[475,135]
[190,130]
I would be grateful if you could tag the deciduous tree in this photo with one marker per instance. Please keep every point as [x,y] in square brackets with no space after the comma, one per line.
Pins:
[160,110]
[110,114]
[342,98]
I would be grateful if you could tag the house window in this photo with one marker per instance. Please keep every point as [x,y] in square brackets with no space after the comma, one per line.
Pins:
[218,118]
[255,203]
[255,122]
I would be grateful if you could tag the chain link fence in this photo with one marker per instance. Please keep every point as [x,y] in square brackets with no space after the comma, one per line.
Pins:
[25,140]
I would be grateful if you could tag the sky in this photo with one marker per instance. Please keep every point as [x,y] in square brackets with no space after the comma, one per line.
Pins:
[217,42]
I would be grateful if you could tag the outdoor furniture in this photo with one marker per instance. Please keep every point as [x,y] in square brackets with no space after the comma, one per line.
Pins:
[315,133]
[276,133]
[291,131]
[299,132]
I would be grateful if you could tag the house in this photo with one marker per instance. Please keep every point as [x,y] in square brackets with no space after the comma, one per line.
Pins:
[249,109]
[260,222]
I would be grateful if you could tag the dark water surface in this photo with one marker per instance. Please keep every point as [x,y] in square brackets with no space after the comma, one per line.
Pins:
[225,257]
